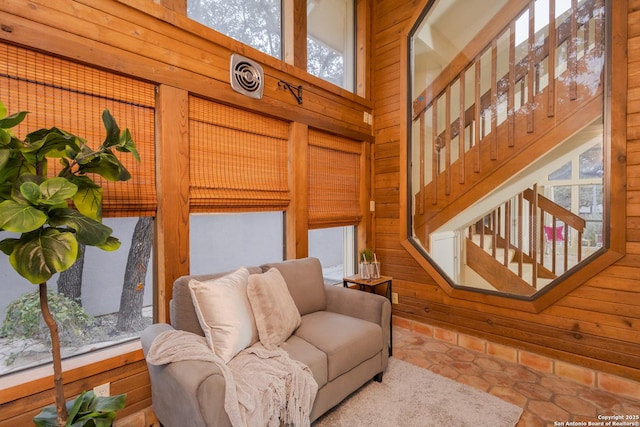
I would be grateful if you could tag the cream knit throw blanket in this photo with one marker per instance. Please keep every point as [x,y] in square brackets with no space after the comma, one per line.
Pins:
[263,387]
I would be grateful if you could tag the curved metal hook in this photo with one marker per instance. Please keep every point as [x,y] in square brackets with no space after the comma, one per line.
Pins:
[291,88]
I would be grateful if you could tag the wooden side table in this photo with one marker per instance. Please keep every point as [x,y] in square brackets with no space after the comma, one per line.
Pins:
[370,285]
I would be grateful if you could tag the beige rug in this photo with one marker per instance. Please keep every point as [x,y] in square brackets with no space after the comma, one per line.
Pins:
[410,396]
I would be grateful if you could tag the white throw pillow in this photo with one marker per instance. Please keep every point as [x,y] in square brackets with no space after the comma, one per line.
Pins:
[273,307]
[224,313]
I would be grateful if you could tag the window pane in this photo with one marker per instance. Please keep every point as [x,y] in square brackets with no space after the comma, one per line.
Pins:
[97,319]
[330,54]
[257,24]
[591,163]
[335,248]
[562,173]
[225,242]
[562,196]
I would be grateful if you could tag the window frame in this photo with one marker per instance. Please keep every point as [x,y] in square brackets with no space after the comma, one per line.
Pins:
[614,151]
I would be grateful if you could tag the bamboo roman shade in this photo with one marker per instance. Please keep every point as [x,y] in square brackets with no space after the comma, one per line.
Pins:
[237,159]
[69,96]
[334,180]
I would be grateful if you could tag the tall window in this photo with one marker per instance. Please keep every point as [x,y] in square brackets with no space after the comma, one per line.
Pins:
[577,186]
[105,298]
[239,187]
[330,53]
[334,202]
[491,80]
[256,24]
[335,248]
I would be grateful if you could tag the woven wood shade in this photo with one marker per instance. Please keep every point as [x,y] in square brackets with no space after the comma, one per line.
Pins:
[334,180]
[238,159]
[69,96]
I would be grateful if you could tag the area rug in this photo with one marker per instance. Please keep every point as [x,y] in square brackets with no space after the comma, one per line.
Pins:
[410,396]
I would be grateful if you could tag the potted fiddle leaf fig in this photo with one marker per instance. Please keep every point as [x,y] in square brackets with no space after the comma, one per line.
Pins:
[50,217]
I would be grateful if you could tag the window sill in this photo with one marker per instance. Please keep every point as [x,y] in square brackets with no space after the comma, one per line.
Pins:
[30,381]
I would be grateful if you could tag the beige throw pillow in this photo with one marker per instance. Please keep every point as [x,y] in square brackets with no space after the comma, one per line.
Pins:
[275,312]
[224,313]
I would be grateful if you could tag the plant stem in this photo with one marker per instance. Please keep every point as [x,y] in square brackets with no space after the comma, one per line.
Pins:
[55,352]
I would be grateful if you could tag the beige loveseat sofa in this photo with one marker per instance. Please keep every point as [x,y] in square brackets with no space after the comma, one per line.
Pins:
[343,338]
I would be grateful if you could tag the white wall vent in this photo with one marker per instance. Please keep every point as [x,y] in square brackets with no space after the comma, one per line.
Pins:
[247,76]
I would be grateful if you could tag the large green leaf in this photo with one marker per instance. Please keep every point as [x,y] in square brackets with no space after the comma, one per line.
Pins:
[31,192]
[113,131]
[107,166]
[7,245]
[42,253]
[88,199]
[20,218]
[86,155]
[57,190]
[127,145]
[13,168]
[85,410]
[48,417]
[5,137]
[49,143]
[13,120]
[19,196]
[76,406]
[100,409]
[110,245]
[88,231]
[5,154]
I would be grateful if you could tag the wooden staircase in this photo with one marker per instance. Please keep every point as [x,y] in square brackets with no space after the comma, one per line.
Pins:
[474,138]
[510,250]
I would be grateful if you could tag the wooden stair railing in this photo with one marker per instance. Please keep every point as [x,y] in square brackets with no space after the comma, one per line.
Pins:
[513,236]
[466,142]
[552,214]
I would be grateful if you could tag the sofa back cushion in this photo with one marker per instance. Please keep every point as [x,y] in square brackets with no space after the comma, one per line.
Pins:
[182,311]
[275,312]
[304,280]
[224,312]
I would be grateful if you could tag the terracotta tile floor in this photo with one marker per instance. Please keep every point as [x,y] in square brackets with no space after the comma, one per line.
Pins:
[547,400]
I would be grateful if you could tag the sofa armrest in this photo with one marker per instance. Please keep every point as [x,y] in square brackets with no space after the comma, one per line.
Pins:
[187,390]
[362,305]
[150,333]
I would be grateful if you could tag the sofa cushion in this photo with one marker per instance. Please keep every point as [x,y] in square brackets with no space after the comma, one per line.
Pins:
[347,341]
[224,313]
[304,280]
[273,308]
[181,310]
[305,352]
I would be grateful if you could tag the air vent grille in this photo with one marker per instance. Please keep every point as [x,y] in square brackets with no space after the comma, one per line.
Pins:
[247,76]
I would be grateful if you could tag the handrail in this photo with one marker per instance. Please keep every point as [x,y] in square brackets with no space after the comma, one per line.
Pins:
[557,211]
[518,225]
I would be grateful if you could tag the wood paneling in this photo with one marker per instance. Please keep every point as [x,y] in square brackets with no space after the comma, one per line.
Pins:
[127,373]
[154,41]
[596,324]
[146,40]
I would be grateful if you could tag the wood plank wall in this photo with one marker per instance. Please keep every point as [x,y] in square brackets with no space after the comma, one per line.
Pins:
[597,324]
[146,40]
